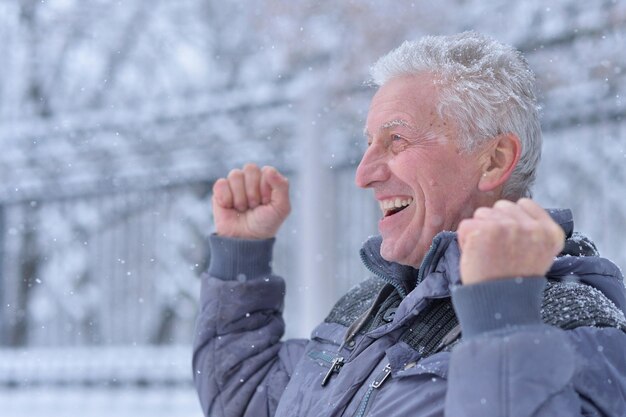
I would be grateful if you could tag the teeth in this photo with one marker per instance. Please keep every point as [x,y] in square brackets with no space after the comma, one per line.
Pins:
[392,203]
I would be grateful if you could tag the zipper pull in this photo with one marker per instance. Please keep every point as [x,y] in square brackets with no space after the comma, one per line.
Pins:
[381,377]
[335,367]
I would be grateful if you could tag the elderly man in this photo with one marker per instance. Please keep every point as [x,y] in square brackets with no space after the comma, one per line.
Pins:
[472,310]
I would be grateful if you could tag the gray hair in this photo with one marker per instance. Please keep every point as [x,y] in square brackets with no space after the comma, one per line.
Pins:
[486,87]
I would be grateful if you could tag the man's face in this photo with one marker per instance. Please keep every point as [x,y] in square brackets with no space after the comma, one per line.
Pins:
[413,161]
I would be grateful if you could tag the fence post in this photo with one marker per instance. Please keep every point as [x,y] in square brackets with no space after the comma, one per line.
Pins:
[316,239]
[3,337]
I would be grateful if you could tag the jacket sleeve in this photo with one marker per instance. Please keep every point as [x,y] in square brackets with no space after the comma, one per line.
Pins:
[240,366]
[510,364]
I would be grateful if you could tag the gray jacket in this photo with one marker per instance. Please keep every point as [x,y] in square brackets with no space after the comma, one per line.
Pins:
[393,346]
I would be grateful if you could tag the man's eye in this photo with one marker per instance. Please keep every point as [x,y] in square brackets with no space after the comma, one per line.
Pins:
[397,143]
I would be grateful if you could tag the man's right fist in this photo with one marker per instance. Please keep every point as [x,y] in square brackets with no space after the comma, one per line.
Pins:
[250,203]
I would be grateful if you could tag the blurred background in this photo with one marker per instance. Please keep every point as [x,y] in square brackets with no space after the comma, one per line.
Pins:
[117,116]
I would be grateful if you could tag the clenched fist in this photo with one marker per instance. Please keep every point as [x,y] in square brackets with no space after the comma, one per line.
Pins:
[508,240]
[250,203]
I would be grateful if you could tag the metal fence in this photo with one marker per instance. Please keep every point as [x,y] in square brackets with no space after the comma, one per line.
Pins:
[111,268]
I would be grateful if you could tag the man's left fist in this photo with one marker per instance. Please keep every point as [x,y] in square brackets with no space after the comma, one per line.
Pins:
[508,240]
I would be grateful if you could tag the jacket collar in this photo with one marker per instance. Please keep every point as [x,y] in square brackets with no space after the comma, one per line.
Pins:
[404,277]
[444,254]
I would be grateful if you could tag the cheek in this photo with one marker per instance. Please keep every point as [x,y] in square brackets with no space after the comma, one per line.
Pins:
[410,169]
[398,163]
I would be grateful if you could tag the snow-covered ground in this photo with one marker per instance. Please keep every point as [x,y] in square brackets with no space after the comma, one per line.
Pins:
[94,382]
[98,402]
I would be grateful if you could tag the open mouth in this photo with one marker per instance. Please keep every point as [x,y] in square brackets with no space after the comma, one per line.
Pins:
[394,205]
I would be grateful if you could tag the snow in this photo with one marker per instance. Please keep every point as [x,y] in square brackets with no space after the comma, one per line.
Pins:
[96,366]
[99,402]
[93,382]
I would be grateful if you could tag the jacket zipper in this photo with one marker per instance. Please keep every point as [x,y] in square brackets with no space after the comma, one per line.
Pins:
[374,385]
[384,374]
[336,363]
[420,273]
[335,367]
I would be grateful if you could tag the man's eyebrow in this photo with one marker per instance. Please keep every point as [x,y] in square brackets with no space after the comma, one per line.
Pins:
[388,125]
[394,123]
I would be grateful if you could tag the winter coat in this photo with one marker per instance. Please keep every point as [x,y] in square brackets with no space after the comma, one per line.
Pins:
[393,346]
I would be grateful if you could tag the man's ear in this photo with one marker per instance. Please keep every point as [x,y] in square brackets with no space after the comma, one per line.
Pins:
[501,157]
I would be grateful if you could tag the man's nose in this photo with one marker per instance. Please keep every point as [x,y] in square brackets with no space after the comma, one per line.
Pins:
[372,168]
